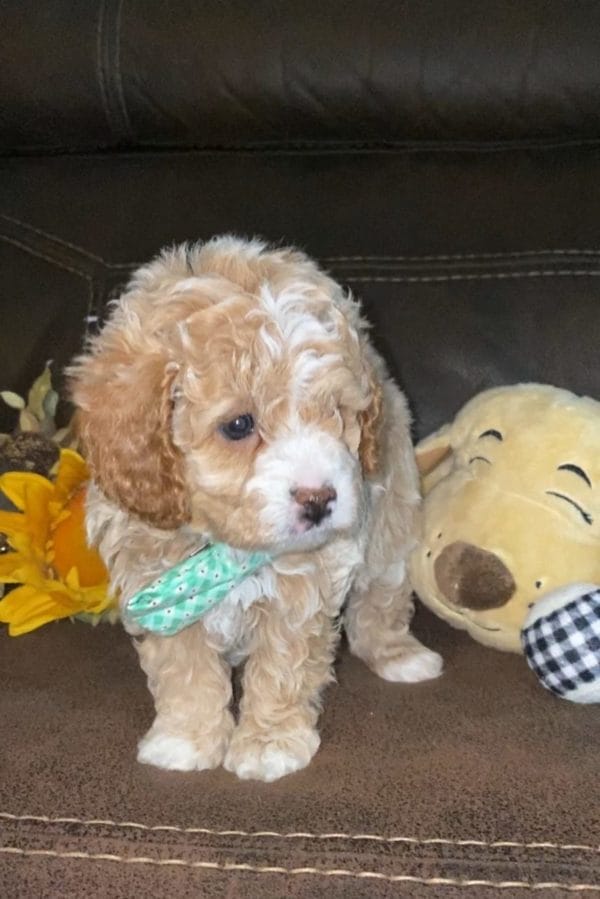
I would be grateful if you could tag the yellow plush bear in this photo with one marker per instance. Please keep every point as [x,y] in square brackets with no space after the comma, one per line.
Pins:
[511,509]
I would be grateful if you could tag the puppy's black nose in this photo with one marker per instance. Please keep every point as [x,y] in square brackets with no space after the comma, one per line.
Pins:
[316,503]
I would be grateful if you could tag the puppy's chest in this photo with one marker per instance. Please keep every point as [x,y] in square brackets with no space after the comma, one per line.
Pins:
[229,625]
[327,578]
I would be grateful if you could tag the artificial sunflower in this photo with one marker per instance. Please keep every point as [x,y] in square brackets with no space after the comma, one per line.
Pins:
[59,575]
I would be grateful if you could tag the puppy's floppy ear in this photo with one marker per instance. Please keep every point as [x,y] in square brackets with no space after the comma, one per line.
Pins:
[370,421]
[125,405]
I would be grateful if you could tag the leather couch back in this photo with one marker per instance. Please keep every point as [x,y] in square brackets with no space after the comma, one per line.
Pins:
[441,159]
[96,74]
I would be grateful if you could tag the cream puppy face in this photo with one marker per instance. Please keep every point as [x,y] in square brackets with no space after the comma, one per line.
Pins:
[236,399]
[266,417]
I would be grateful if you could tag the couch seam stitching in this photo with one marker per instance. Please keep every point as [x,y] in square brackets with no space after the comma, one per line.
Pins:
[132,825]
[35,252]
[479,276]
[87,254]
[442,257]
[90,309]
[100,64]
[108,71]
[276,869]
[454,257]
[118,75]
[54,237]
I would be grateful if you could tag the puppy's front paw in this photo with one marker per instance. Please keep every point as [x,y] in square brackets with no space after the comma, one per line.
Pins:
[175,753]
[268,756]
[412,665]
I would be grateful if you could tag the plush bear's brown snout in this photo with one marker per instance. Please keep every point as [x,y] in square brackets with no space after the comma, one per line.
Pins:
[473,578]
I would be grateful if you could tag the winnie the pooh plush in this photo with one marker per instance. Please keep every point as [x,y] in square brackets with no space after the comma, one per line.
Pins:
[511,509]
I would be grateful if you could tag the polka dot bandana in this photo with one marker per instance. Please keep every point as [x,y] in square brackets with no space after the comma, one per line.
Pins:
[186,592]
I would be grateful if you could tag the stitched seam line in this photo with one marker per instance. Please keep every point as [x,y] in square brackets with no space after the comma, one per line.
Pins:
[58,263]
[118,74]
[53,237]
[442,257]
[100,62]
[453,257]
[68,245]
[440,841]
[107,68]
[295,872]
[62,265]
[480,276]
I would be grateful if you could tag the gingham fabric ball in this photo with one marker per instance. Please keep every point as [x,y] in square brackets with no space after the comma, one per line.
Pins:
[561,641]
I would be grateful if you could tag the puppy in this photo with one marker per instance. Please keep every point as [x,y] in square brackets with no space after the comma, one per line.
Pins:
[234,396]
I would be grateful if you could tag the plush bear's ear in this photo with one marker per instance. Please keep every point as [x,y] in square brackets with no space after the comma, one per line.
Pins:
[434,457]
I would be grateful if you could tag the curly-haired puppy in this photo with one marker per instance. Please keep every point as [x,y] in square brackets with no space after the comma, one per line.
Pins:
[234,396]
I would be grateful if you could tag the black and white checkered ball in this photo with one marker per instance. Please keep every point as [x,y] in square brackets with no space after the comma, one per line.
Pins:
[561,641]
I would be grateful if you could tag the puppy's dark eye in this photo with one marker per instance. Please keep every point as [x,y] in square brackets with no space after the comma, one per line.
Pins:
[238,428]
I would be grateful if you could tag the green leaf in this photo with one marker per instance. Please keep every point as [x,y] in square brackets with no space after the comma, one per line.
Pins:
[12,399]
[28,422]
[49,404]
[39,389]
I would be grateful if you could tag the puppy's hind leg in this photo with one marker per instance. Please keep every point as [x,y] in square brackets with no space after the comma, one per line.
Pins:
[191,686]
[377,621]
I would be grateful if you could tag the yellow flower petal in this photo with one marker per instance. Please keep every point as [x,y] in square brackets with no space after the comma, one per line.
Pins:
[97,600]
[37,513]
[26,609]
[9,563]
[12,523]
[23,545]
[33,493]
[32,624]
[72,579]
[70,547]
[16,569]
[48,510]
[17,485]
[60,516]
[18,601]
[72,472]
[90,599]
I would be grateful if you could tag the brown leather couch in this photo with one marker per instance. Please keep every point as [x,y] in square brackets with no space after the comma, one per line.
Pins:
[442,159]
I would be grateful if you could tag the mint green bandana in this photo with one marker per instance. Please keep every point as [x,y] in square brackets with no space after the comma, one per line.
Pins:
[186,592]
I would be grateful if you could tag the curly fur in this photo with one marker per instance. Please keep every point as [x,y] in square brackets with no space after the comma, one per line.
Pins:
[202,335]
